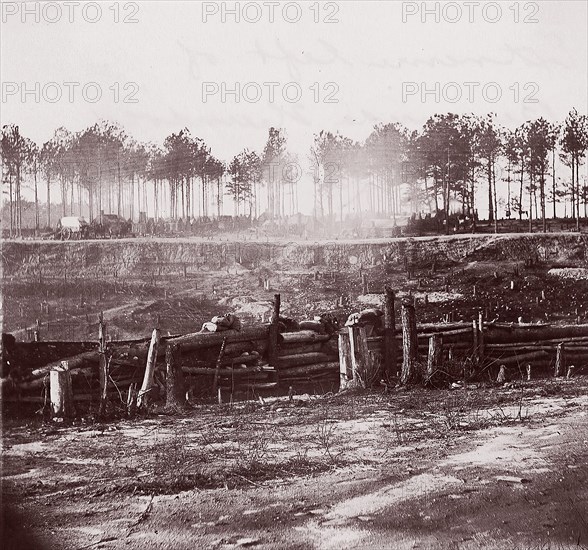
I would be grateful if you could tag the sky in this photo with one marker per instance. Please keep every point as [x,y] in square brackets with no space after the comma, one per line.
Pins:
[160,66]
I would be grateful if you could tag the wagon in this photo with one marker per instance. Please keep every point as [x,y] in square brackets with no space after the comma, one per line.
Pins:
[72,227]
[111,225]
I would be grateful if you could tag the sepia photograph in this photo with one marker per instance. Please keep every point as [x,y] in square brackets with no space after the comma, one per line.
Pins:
[294,275]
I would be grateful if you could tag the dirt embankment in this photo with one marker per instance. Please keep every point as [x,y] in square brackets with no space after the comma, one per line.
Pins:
[140,257]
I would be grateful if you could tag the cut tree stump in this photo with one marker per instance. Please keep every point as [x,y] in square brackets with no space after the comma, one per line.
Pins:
[409,342]
[142,398]
[61,394]
[434,356]
[345,367]
[389,339]
[175,391]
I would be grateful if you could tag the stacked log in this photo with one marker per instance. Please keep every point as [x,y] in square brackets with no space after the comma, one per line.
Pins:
[300,357]
[307,356]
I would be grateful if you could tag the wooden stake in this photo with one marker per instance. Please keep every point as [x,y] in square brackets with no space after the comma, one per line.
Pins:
[389,330]
[570,372]
[132,400]
[361,361]
[476,344]
[345,364]
[175,394]
[409,342]
[142,398]
[501,379]
[434,356]
[60,391]
[481,350]
[103,365]
[218,365]
[272,348]
[560,361]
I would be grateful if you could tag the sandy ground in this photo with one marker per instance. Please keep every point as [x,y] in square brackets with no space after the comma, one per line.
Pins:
[474,468]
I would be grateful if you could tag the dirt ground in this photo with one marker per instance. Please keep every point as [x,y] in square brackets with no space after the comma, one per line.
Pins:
[478,467]
[469,273]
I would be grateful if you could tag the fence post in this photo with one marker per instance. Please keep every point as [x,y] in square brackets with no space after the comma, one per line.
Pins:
[409,341]
[475,342]
[60,391]
[361,361]
[175,394]
[434,357]
[345,366]
[560,360]
[272,348]
[389,335]
[142,398]
[103,364]
[481,345]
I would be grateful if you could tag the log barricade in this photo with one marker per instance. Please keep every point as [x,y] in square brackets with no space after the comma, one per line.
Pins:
[299,358]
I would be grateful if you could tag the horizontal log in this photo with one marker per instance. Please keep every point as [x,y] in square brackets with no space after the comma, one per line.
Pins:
[44,380]
[442,327]
[445,334]
[296,348]
[303,336]
[75,362]
[523,334]
[523,358]
[262,386]
[221,372]
[211,339]
[331,366]
[289,361]
[581,341]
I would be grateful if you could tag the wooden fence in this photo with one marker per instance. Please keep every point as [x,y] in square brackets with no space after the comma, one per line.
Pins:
[259,359]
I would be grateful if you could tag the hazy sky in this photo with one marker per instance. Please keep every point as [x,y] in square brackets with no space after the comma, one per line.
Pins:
[361,61]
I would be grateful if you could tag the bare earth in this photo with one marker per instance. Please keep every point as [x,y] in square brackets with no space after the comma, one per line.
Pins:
[471,468]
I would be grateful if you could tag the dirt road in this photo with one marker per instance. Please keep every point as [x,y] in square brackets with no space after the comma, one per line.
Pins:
[484,468]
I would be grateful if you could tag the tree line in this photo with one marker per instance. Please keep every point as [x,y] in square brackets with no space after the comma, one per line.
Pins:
[438,169]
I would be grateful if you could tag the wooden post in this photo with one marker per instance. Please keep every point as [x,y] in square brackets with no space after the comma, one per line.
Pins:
[481,350]
[345,363]
[103,364]
[434,356]
[389,339]
[570,372]
[476,343]
[501,378]
[560,360]
[132,400]
[60,392]
[272,348]
[175,392]
[361,361]
[409,342]
[219,359]
[142,398]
